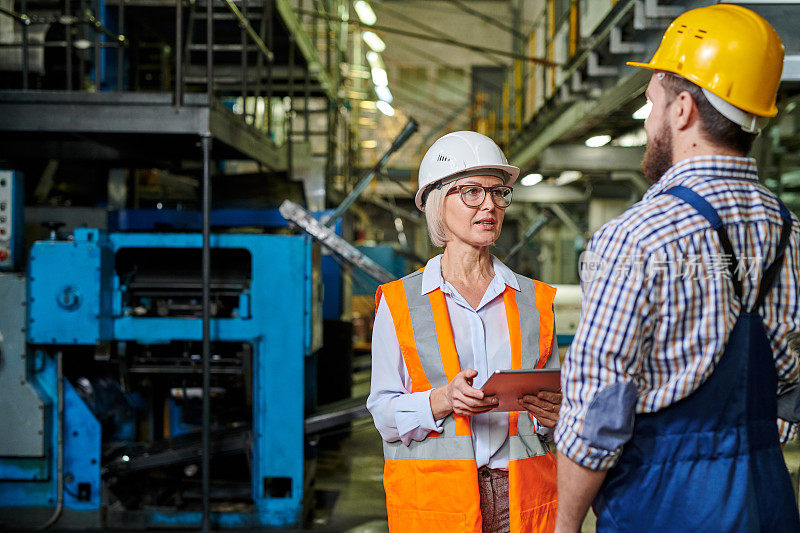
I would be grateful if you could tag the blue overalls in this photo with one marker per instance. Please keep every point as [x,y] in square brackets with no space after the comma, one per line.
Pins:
[712,461]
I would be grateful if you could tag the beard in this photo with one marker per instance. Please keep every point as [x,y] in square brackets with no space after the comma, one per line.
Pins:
[658,155]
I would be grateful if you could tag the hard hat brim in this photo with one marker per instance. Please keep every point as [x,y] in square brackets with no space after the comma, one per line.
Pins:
[512,171]
[755,111]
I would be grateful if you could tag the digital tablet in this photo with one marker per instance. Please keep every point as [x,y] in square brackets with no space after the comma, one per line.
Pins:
[511,385]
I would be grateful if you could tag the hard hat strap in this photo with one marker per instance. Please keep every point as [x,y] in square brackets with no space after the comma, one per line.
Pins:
[748,121]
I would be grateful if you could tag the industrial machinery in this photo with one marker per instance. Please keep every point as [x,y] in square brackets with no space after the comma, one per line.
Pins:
[10,218]
[101,376]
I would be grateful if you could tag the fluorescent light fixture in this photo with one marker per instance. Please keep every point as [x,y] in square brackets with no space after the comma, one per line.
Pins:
[643,112]
[385,108]
[374,60]
[372,143]
[598,141]
[373,41]
[365,12]
[379,77]
[634,138]
[531,179]
[384,93]
[568,176]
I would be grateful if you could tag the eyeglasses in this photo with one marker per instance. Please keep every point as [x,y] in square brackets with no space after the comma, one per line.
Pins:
[474,195]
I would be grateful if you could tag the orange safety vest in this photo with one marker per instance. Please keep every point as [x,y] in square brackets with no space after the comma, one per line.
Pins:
[432,485]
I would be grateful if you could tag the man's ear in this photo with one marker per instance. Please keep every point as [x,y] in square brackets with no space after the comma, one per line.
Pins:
[683,111]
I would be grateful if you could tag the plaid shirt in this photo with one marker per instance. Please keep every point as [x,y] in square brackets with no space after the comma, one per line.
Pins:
[658,308]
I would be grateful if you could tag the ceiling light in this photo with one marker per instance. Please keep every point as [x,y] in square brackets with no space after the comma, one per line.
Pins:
[598,141]
[365,12]
[385,108]
[372,143]
[379,77]
[643,112]
[531,179]
[568,176]
[373,41]
[384,93]
[374,60]
[634,138]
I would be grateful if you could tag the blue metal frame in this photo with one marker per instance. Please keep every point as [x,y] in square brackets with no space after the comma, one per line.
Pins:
[31,482]
[159,219]
[76,298]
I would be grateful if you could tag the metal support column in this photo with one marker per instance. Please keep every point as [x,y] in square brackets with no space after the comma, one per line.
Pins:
[206,281]
[244,62]
[68,36]
[120,44]
[210,50]
[178,53]
[307,83]
[271,46]
[290,114]
[83,35]
[23,8]
[98,58]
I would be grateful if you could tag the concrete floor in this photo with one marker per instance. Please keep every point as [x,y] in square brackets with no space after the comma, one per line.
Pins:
[349,486]
[349,489]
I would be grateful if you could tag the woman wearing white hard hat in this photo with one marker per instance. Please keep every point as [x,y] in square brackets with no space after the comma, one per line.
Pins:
[451,463]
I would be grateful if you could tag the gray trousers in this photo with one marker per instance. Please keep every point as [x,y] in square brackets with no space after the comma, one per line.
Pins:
[493,488]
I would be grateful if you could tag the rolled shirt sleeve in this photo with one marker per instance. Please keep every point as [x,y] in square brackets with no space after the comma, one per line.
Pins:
[398,413]
[597,378]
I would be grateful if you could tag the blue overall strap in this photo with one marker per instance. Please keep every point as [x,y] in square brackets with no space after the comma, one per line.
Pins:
[772,271]
[709,213]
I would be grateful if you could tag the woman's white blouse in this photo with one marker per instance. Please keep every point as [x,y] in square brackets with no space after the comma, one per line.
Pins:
[482,343]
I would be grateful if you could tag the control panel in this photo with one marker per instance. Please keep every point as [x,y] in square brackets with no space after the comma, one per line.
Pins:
[11,221]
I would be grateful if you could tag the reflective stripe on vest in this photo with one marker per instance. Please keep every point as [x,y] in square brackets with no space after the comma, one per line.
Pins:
[426,341]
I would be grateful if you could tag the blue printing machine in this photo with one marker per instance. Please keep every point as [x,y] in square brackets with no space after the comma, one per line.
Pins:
[76,297]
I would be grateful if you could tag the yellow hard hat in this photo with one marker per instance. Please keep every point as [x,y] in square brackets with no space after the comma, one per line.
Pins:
[730,51]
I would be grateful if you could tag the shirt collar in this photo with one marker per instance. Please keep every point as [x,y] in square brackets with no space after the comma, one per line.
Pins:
[713,166]
[432,275]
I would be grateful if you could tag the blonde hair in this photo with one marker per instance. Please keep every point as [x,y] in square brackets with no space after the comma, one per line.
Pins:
[434,216]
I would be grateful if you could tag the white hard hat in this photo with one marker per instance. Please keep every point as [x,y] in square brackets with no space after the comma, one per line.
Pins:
[458,155]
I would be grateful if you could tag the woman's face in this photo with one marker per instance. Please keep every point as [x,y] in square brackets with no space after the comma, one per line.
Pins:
[476,226]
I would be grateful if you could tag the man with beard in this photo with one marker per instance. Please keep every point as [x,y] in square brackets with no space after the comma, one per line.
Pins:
[680,384]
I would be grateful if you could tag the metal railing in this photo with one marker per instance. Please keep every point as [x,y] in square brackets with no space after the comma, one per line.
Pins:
[85,49]
[88,18]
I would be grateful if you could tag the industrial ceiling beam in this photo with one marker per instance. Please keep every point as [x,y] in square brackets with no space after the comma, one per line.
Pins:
[419,25]
[581,115]
[488,19]
[560,157]
[545,193]
[432,38]
[438,61]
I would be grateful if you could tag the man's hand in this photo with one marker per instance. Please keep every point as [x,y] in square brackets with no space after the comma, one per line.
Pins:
[544,406]
[460,397]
